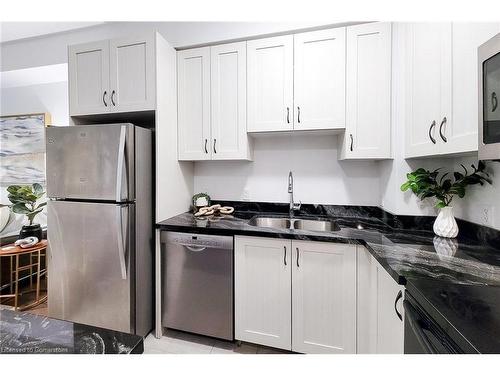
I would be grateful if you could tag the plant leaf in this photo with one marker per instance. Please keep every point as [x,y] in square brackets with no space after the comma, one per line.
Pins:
[20,208]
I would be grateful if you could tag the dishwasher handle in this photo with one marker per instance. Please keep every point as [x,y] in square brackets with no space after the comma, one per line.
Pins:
[195,248]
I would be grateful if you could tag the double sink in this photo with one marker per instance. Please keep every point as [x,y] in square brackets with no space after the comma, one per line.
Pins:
[294,223]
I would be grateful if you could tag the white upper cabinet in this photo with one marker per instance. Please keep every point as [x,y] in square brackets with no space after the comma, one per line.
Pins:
[323,297]
[442,86]
[262,291]
[229,101]
[319,79]
[270,84]
[112,76]
[212,99]
[428,86]
[461,133]
[132,78]
[380,313]
[193,82]
[88,68]
[368,92]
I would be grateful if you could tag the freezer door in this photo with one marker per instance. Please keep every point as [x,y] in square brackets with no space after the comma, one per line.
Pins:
[91,162]
[90,278]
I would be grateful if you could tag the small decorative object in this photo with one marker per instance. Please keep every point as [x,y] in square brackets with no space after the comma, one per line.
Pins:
[426,184]
[200,200]
[24,201]
[216,209]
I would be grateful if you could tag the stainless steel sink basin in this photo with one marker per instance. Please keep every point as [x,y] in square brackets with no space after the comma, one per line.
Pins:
[270,222]
[292,223]
[316,225]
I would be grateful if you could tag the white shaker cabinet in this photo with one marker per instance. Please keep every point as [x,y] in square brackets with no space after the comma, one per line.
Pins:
[295,295]
[380,313]
[132,77]
[212,94]
[368,92]
[319,79]
[442,86]
[323,297]
[229,102]
[461,133]
[193,118]
[428,86]
[115,75]
[88,69]
[262,268]
[270,84]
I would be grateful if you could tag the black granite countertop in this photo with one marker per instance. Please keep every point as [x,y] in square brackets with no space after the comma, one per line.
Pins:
[404,251]
[469,314]
[22,332]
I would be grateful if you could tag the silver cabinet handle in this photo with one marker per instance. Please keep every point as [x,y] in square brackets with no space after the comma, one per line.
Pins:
[121,245]
[121,163]
[398,297]
[104,98]
[206,150]
[430,130]
[284,256]
[297,249]
[352,141]
[288,115]
[298,114]
[441,130]
[215,141]
[494,101]
[113,98]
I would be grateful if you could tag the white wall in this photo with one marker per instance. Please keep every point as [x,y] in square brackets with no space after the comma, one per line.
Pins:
[48,97]
[318,176]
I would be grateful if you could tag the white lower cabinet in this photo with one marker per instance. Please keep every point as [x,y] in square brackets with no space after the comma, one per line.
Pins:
[380,312]
[323,297]
[296,295]
[263,289]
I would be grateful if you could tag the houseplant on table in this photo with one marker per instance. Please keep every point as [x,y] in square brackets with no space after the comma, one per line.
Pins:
[24,201]
[427,184]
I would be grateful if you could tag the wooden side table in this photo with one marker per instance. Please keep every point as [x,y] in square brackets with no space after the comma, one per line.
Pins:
[35,255]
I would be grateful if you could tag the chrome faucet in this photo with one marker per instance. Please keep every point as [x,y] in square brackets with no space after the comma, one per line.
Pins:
[293,206]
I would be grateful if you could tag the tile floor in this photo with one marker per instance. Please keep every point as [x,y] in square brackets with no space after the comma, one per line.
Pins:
[176,342]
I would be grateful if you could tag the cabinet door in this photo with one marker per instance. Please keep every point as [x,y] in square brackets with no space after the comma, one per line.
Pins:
[461,133]
[132,64]
[380,300]
[428,85]
[262,269]
[319,79]
[368,107]
[270,84]
[88,69]
[229,101]
[323,297]
[193,80]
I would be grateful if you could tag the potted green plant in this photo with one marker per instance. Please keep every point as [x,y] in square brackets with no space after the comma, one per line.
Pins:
[24,200]
[427,184]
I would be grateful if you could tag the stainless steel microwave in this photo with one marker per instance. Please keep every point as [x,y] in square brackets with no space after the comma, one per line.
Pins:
[489,93]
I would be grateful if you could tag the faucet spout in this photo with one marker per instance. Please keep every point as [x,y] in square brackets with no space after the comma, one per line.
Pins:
[293,206]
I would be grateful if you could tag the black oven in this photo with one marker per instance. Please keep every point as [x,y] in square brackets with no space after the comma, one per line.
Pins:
[422,334]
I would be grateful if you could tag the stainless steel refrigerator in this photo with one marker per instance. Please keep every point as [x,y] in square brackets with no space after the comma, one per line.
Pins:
[100,226]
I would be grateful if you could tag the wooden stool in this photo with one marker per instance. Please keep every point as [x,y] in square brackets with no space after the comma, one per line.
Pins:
[35,256]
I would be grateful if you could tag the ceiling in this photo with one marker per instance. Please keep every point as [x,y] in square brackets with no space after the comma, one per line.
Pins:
[10,31]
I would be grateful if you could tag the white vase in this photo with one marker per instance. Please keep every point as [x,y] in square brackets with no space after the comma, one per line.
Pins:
[445,224]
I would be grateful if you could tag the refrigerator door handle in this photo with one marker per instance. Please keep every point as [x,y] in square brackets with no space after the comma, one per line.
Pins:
[121,245]
[120,163]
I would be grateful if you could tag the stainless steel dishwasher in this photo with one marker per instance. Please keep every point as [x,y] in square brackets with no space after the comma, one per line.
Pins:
[197,283]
